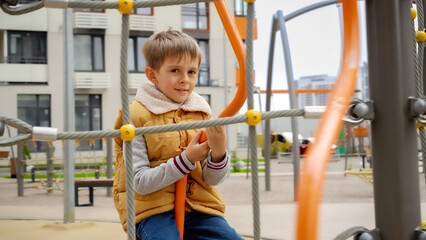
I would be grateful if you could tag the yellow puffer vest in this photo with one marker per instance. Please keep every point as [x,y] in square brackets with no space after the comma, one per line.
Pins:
[200,196]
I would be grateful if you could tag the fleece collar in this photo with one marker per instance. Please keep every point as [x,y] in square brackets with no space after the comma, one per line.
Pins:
[158,103]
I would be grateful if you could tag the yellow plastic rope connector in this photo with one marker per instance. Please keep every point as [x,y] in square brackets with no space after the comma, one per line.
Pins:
[423,224]
[249,1]
[127,132]
[413,13]
[253,117]
[421,36]
[125,6]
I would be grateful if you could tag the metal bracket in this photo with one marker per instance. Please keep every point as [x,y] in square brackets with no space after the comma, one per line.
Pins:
[369,235]
[420,234]
[417,106]
[360,109]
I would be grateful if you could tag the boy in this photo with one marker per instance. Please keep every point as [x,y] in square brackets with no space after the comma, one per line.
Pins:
[159,160]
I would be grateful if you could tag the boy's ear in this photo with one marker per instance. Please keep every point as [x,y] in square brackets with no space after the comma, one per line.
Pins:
[150,74]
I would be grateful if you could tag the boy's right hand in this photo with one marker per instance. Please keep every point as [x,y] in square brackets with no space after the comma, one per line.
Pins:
[197,151]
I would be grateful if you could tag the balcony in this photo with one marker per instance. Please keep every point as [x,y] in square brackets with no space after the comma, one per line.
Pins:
[142,23]
[91,20]
[92,80]
[136,79]
[23,70]
[241,23]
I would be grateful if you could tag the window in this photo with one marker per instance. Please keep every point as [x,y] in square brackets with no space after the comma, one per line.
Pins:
[195,16]
[206,97]
[26,1]
[35,110]
[88,117]
[26,47]
[322,98]
[143,11]
[204,72]
[90,9]
[240,8]
[135,59]
[89,53]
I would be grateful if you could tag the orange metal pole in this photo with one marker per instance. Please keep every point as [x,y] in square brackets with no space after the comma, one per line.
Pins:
[311,182]
[238,101]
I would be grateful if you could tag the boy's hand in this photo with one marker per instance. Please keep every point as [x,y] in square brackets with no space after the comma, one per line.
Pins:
[197,151]
[216,138]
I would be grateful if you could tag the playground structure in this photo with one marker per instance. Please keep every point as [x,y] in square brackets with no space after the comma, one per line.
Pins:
[47,169]
[395,170]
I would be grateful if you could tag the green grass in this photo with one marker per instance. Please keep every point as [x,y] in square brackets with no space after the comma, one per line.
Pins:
[245,170]
[234,160]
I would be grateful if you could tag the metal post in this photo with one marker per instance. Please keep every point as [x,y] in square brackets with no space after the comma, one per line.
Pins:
[109,164]
[18,169]
[293,100]
[394,137]
[69,122]
[267,131]
[347,144]
[49,161]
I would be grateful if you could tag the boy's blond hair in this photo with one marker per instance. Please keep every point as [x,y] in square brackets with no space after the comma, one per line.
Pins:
[170,43]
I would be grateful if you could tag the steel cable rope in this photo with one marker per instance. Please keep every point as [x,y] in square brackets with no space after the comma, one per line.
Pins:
[240,118]
[252,129]
[31,7]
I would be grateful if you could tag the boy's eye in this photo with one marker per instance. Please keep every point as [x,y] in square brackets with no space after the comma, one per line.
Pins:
[175,70]
[192,72]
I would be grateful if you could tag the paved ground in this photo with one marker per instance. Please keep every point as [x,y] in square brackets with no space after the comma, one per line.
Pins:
[347,202]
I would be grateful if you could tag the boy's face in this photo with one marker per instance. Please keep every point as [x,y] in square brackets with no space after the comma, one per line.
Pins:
[176,79]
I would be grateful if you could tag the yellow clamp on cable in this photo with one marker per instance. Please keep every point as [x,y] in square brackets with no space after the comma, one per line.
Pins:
[249,1]
[253,117]
[421,36]
[413,13]
[127,132]
[125,6]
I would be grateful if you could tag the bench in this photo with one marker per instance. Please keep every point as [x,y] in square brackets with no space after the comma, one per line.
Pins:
[4,155]
[90,183]
[78,167]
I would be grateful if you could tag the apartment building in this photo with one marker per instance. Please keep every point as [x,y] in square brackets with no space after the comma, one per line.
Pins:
[32,63]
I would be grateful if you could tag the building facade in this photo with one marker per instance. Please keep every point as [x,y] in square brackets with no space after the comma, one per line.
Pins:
[32,64]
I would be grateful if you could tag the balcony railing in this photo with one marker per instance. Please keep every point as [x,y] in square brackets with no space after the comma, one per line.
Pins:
[23,60]
[90,20]
[142,23]
[99,80]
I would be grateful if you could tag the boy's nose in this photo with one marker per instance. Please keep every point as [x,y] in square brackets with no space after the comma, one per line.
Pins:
[184,78]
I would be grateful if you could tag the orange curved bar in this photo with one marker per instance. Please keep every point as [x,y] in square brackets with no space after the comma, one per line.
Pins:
[238,101]
[311,182]
[240,52]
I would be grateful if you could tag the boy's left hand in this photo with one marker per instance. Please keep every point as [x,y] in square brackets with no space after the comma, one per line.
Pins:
[216,138]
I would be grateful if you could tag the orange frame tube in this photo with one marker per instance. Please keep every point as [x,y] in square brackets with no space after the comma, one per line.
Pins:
[312,177]
[238,101]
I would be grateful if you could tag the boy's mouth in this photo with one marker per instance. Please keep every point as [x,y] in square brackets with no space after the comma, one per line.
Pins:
[181,89]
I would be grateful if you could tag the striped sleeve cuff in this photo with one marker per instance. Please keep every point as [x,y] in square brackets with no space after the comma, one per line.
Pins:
[220,165]
[182,165]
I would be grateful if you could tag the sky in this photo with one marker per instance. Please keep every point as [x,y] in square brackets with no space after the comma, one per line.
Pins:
[315,44]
